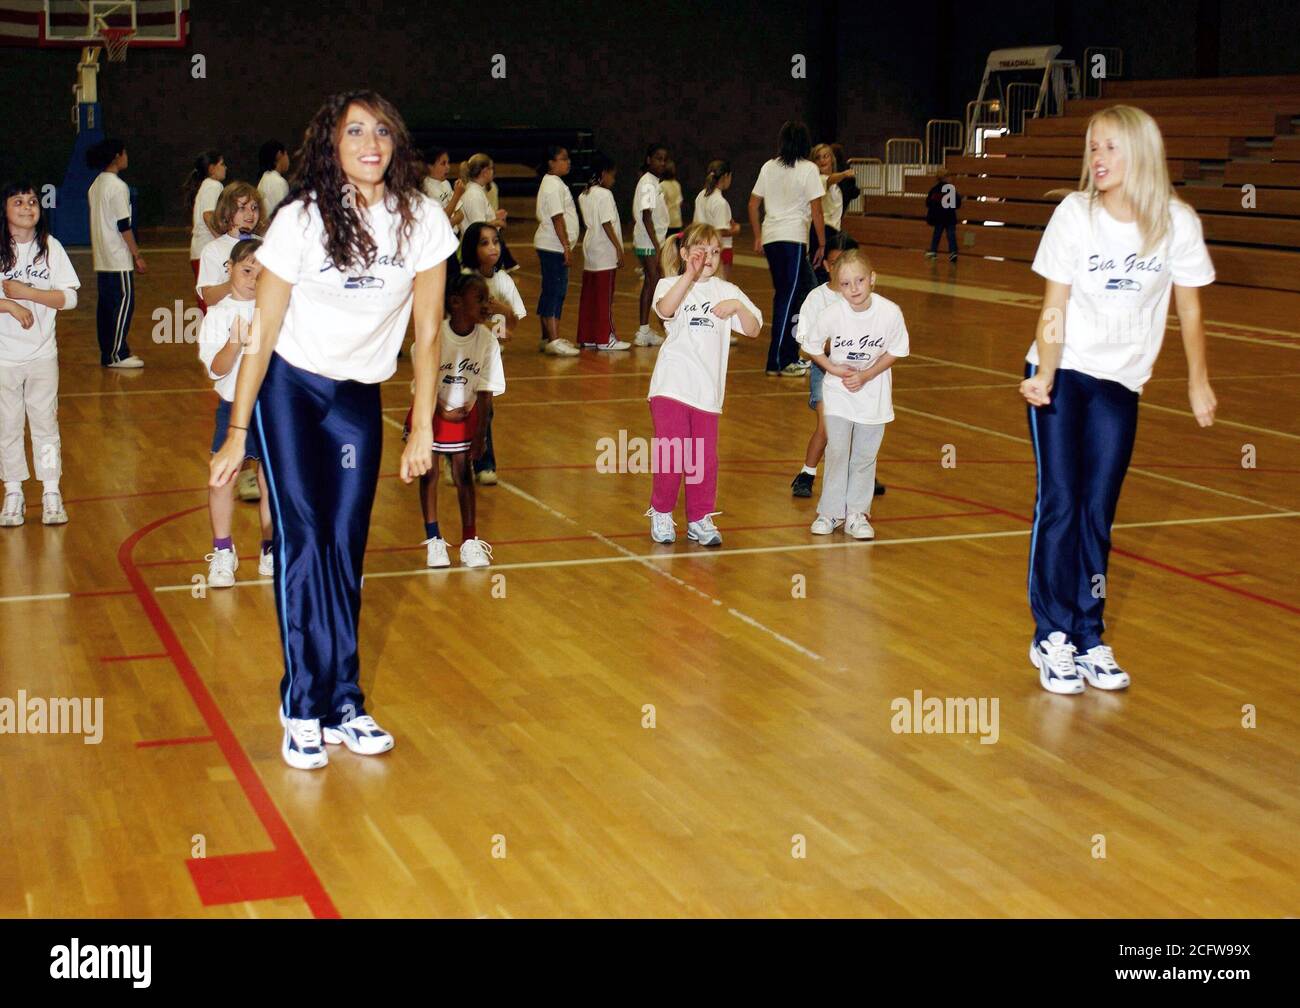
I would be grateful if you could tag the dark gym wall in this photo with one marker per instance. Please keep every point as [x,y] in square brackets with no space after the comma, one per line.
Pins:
[708,79]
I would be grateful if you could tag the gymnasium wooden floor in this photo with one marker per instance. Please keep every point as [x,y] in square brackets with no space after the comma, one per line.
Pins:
[519,719]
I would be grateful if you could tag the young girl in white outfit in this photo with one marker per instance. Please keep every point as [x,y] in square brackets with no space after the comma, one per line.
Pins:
[37,281]
[1112,255]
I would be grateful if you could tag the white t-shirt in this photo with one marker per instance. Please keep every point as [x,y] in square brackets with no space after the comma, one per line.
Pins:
[713,208]
[110,202]
[1119,298]
[817,301]
[474,204]
[214,264]
[832,204]
[468,365]
[349,325]
[650,197]
[599,209]
[273,189]
[53,272]
[692,363]
[553,197]
[205,201]
[441,191]
[502,288]
[787,192]
[214,334]
[859,339]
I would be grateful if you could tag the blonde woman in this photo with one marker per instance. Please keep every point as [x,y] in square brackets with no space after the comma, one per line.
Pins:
[1112,255]
[476,175]
[832,202]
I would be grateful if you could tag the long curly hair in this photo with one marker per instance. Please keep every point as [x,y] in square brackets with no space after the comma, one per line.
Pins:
[318,178]
[8,245]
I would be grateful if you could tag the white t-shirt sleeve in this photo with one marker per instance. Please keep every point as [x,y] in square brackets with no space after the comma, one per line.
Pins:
[214,334]
[606,211]
[819,333]
[62,275]
[1058,250]
[743,298]
[493,378]
[549,200]
[897,341]
[813,186]
[510,294]
[212,266]
[207,198]
[764,176]
[1189,258]
[119,202]
[433,238]
[285,242]
[808,315]
[647,195]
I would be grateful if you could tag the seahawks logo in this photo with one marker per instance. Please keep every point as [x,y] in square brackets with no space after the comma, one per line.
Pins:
[362,283]
[1121,284]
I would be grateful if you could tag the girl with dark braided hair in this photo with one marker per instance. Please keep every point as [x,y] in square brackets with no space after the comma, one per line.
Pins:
[355,248]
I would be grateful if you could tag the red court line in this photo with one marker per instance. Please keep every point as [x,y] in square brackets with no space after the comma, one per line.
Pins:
[153,743]
[285,865]
[133,657]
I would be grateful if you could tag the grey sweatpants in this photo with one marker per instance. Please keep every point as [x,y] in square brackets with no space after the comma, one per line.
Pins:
[849,478]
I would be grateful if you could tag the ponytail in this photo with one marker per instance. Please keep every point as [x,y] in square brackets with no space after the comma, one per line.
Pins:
[600,163]
[196,178]
[717,170]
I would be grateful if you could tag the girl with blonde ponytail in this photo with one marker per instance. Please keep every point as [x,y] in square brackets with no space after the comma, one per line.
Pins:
[1112,255]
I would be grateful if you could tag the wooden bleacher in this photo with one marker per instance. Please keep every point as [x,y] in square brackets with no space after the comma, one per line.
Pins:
[1221,134]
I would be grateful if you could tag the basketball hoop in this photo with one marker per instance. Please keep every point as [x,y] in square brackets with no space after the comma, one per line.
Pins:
[116,41]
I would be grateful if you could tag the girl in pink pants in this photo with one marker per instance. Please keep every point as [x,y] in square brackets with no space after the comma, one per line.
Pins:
[699,310]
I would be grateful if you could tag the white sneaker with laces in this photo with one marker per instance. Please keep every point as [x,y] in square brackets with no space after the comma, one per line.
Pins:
[825,526]
[266,564]
[128,363]
[475,553]
[222,565]
[560,348]
[858,527]
[704,531]
[52,510]
[360,734]
[645,336]
[436,553]
[1098,666]
[662,528]
[1054,659]
[614,344]
[12,515]
[302,747]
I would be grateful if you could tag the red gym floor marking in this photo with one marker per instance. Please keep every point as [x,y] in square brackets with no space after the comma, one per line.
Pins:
[282,871]
[192,740]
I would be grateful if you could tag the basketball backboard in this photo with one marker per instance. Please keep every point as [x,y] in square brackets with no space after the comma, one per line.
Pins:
[73,23]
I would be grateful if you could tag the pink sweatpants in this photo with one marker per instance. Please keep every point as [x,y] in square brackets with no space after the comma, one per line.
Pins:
[685,446]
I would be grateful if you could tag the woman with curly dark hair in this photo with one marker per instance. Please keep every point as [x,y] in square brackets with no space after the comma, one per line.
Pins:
[354,248]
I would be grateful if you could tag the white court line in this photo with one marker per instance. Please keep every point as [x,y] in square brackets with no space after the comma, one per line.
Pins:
[703,554]
[52,597]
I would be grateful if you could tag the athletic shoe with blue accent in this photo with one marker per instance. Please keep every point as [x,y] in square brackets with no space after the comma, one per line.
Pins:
[1054,659]
[704,531]
[360,734]
[661,527]
[302,748]
[1099,667]
[266,564]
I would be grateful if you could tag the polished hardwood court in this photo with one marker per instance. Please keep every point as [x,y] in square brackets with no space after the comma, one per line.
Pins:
[599,726]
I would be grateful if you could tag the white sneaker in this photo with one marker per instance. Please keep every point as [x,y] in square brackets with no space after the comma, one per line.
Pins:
[1054,659]
[795,369]
[128,363]
[1099,667]
[661,526]
[361,734]
[560,348]
[486,477]
[858,527]
[475,553]
[52,510]
[825,526]
[266,564]
[704,531]
[12,514]
[645,336]
[302,747]
[436,553]
[222,565]
[614,344]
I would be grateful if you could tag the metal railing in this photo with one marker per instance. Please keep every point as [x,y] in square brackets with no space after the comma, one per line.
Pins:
[982,116]
[869,174]
[943,137]
[903,156]
[1101,63]
[1024,101]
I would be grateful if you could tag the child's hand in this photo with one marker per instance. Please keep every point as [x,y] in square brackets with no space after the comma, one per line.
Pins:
[417,456]
[501,216]
[23,315]
[726,309]
[758,245]
[458,190]
[1038,389]
[841,371]
[854,380]
[18,289]
[695,261]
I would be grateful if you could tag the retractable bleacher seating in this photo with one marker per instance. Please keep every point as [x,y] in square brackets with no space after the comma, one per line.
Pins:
[1221,134]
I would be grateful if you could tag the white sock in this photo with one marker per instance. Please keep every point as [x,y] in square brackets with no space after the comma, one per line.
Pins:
[51,487]
[645,328]
[810,470]
[13,486]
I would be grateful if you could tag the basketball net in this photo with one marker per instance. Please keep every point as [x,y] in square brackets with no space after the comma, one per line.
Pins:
[116,41]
